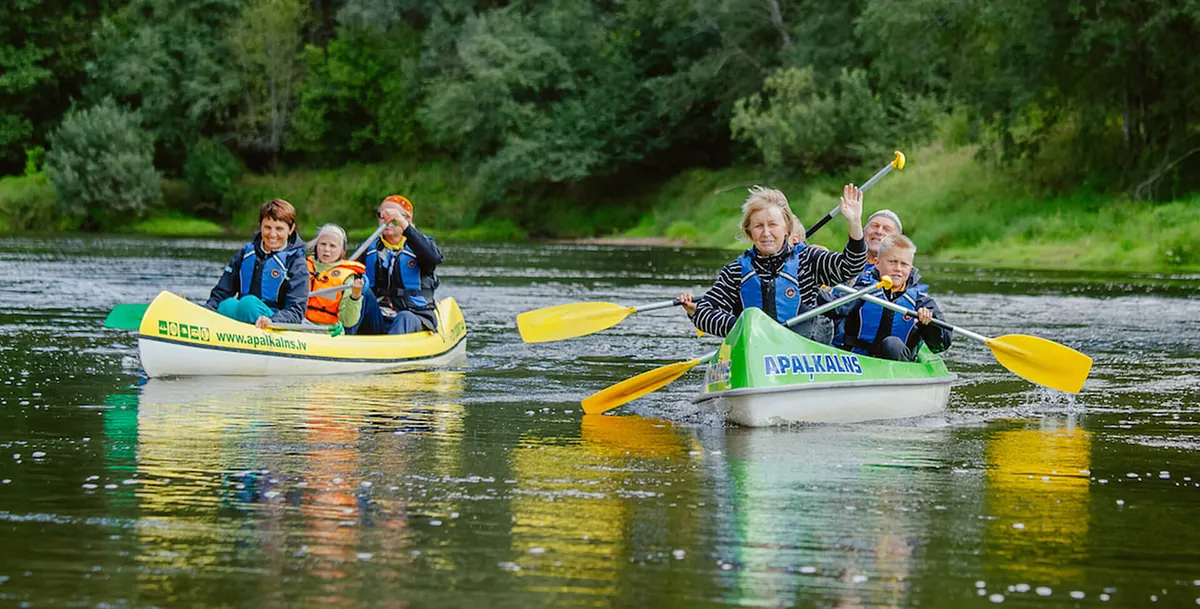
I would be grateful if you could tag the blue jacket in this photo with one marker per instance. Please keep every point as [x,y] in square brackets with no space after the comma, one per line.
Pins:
[405,281]
[861,313]
[291,299]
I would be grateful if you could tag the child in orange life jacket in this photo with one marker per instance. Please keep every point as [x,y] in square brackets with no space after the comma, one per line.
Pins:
[327,269]
[267,279]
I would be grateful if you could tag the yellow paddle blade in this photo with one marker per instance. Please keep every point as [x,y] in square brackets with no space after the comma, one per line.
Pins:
[634,388]
[570,320]
[1042,361]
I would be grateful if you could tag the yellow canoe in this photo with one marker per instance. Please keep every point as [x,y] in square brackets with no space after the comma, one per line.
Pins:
[180,338]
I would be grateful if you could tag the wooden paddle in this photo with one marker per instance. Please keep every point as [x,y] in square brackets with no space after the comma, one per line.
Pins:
[128,316]
[580,319]
[897,163]
[649,382]
[1034,359]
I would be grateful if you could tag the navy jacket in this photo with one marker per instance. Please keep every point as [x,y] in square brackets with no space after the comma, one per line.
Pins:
[388,285]
[293,293]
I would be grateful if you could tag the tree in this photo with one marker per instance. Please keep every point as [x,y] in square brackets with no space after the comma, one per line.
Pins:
[101,163]
[43,46]
[799,123]
[169,61]
[361,96]
[266,41]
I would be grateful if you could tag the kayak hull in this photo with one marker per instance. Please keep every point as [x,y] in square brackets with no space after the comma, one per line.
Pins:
[180,338]
[764,374]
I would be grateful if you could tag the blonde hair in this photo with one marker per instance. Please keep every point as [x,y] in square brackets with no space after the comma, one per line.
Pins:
[333,230]
[766,198]
[896,240]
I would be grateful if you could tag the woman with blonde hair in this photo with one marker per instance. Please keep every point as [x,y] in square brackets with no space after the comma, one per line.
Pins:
[774,275]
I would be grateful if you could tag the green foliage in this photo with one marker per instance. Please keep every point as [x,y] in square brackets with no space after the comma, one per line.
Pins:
[43,47]
[1113,77]
[349,195]
[210,171]
[169,60]
[797,122]
[265,41]
[27,204]
[361,96]
[175,224]
[101,163]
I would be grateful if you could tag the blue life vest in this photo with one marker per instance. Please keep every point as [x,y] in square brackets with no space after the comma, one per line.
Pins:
[395,276]
[786,303]
[867,276]
[274,274]
[868,317]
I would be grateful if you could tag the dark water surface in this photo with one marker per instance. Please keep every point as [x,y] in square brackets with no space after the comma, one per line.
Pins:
[487,486]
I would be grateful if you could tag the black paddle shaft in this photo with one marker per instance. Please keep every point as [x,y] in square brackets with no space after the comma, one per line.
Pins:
[865,187]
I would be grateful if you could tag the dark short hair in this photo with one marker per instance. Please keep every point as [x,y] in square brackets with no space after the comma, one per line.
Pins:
[277,209]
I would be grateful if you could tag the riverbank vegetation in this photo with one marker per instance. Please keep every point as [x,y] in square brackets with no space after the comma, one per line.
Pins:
[1056,133]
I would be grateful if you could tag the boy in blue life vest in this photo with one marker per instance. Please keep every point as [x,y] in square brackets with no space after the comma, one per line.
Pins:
[870,329]
[267,279]
[401,272]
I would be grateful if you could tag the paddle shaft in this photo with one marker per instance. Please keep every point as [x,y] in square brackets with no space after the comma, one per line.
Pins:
[299,327]
[331,290]
[362,248]
[835,211]
[666,304]
[887,304]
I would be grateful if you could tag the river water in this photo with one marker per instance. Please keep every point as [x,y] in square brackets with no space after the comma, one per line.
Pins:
[488,485]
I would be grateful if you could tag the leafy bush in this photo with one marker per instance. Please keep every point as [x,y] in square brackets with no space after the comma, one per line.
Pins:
[210,171]
[799,123]
[27,203]
[101,163]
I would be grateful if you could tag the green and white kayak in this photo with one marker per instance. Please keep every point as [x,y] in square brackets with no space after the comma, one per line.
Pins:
[765,374]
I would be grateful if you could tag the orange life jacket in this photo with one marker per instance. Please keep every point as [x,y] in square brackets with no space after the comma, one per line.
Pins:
[324,309]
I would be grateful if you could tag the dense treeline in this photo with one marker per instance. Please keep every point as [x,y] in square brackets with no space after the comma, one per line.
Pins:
[578,95]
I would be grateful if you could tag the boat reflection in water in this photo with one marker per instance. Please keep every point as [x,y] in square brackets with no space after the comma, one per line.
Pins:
[263,474]
[824,514]
[593,503]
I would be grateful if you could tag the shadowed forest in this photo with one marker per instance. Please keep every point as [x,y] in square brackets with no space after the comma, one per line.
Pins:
[1059,132]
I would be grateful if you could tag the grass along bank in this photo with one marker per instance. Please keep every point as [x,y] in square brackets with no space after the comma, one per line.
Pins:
[955,208]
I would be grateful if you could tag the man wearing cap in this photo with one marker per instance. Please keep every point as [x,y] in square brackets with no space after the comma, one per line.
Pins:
[881,224]
[401,267]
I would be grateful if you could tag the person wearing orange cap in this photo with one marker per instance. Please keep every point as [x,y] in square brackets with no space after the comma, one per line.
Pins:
[401,272]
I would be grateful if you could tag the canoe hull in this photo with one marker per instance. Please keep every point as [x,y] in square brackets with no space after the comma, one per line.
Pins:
[849,402]
[179,338]
[764,374]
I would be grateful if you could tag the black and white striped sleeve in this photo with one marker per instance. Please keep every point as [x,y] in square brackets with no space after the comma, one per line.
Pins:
[718,309]
[836,267]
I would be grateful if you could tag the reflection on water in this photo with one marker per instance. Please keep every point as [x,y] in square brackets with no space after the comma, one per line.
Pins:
[489,487]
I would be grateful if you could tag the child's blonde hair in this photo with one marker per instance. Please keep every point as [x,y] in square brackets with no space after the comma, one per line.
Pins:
[897,240]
